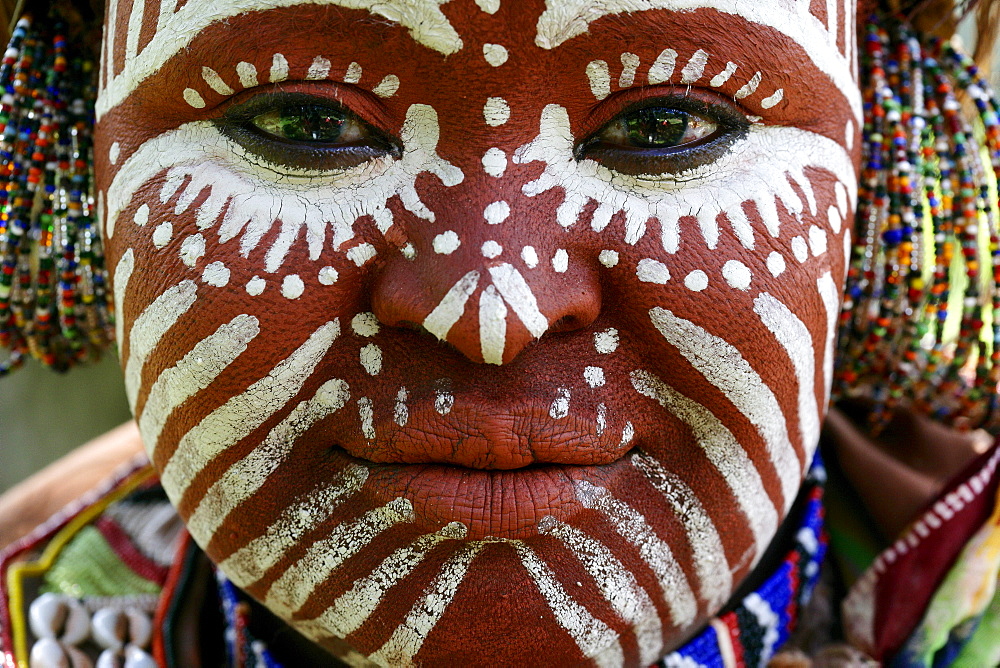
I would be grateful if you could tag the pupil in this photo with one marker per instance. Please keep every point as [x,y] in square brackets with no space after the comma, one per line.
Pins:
[656,128]
[311,123]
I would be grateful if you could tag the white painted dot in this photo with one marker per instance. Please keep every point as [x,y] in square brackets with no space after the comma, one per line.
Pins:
[497,212]
[833,214]
[162,235]
[560,406]
[737,274]
[255,286]
[353,74]
[292,286]
[142,215]
[560,261]
[216,274]
[489,6]
[630,62]
[817,241]
[365,324]
[495,54]
[652,271]
[627,433]
[192,249]
[606,342]
[388,86]
[697,280]
[328,276]
[849,135]
[495,162]
[361,253]
[496,111]
[800,249]
[193,97]
[608,258]
[247,72]
[492,249]
[215,82]
[444,401]
[319,69]
[446,243]
[366,415]
[279,68]
[529,256]
[408,251]
[594,375]
[775,263]
[599,77]
[371,359]
[114,152]
[772,100]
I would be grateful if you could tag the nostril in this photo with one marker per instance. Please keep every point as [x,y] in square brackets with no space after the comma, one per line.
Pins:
[565,324]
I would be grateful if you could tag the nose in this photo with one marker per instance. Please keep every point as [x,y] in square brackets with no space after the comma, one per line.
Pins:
[488,310]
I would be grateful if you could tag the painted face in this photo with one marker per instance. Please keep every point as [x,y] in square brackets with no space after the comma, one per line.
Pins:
[466,329]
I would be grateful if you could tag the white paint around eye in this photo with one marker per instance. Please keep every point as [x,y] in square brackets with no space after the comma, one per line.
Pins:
[216,274]
[353,73]
[606,342]
[773,99]
[560,405]
[495,54]
[600,78]
[775,263]
[560,261]
[388,86]
[192,249]
[247,72]
[371,359]
[292,287]
[361,254]
[319,69]
[737,274]
[800,249]
[446,243]
[491,249]
[215,81]
[365,324]
[723,76]
[496,111]
[652,271]
[608,258]
[328,276]
[817,240]
[194,98]
[255,286]
[408,251]
[489,6]
[141,215]
[497,212]
[529,256]
[663,67]
[695,67]
[696,281]
[630,63]
[114,152]
[750,87]
[594,375]
[279,68]
[495,162]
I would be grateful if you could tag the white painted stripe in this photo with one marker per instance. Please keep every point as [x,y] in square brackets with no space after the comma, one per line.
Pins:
[353,608]
[406,640]
[795,338]
[619,588]
[830,294]
[695,67]
[600,78]
[749,88]
[725,368]
[110,28]
[215,81]
[741,225]
[831,21]
[234,420]
[167,9]
[253,560]
[244,478]
[723,76]
[149,328]
[134,28]
[714,575]
[594,638]
[193,373]
[444,316]
[296,585]
[492,325]
[663,67]
[123,272]
[247,72]
[516,291]
[723,451]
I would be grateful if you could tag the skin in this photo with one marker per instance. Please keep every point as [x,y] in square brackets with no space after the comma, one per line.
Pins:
[503,365]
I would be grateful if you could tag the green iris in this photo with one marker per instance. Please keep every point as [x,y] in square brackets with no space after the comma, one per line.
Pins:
[656,127]
[306,123]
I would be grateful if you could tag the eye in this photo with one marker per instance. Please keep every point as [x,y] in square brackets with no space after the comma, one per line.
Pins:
[665,136]
[305,132]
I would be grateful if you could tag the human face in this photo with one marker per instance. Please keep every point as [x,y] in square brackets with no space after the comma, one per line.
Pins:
[461,331]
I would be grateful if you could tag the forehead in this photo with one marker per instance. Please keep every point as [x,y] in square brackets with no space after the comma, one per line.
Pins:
[145,35]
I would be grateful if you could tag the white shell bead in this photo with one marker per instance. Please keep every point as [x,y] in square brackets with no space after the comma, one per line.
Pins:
[140,628]
[59,616]
[109,628]
[137,658]
[48,653]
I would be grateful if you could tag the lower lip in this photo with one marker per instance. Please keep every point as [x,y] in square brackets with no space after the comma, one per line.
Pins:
[491,504]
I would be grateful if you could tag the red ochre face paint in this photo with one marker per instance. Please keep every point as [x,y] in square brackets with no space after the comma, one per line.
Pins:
[467,330]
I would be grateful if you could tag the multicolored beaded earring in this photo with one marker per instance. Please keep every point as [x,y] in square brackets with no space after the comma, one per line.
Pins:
[921,317]
[54,304]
